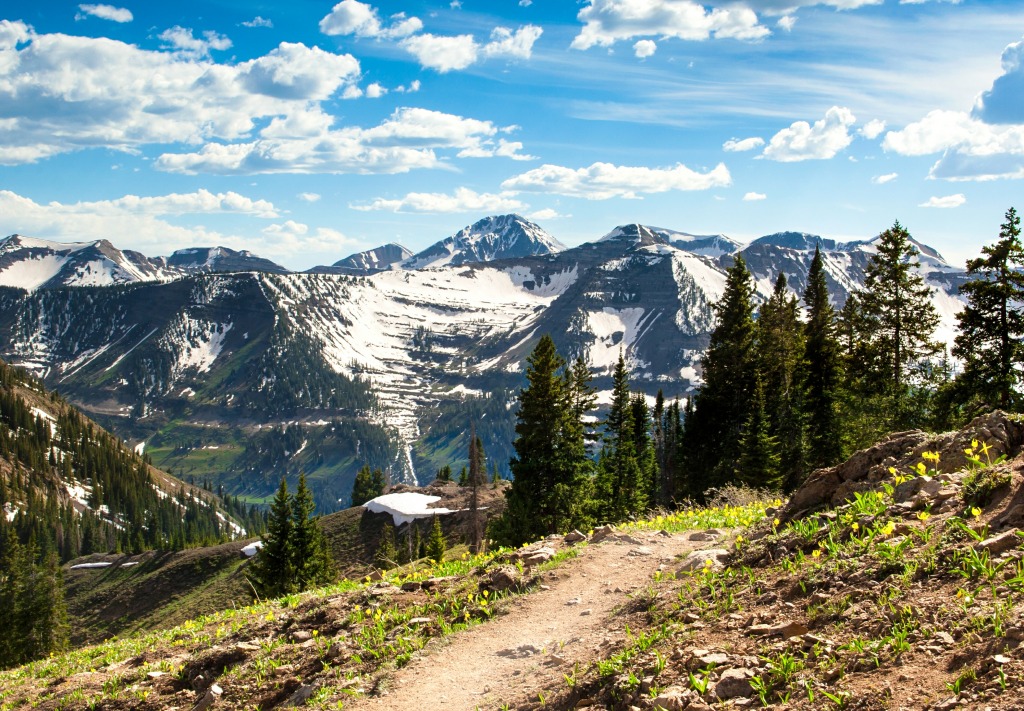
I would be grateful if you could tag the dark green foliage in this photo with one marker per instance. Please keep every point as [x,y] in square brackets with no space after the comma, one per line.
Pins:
[311,561]
[712,435]
[272,572]
[368,485]
[32,612]
[759,448]
[821,372]
[436,544]
[894,322]
[444,473]
[550,488]
[477,478]
[992,325]
[623,482]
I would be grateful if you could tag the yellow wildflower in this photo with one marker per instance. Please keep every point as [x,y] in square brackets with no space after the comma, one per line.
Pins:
[975,511]
[923,516]
[816,553]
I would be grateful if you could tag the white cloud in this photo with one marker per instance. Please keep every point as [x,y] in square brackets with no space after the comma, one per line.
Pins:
[375,91]
[442,53]
[945,202]
[735,145]
[506,43]
[883,179]
[607,21]
[547,213]
[408,140]
[502,149]
[754,197]
[290,238]
[181,40]
[309,197]
[351,17]
[645,48]
[455,4]
[602,181]
[104,12]
[823,140]
[258,22]
[412,87]
[872,129]
[463,200]
[1002,103]
[525,3]
[786,22]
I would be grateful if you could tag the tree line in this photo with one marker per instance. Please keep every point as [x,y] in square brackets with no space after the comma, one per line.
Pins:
[789,386]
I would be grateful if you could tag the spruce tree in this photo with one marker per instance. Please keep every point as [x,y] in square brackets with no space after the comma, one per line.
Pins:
[477,474]
[758,464]
[444,473]
[821,372]
[436,544]
[711,438]
[898,320]
[991,324]
[620,486]
[311,560]
[386,556]
[271,572]
[550,469]
[367,485]
[582,395]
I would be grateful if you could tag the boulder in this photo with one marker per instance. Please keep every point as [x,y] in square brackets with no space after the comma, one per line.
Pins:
[734,683]
[697,560]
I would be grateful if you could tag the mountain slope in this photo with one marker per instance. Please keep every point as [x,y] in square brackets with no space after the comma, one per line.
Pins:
[490,239]
[220,259]
[369,261]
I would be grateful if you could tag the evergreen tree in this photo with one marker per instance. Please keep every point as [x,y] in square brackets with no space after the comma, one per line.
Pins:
[712,434]
[643,445]
[821,371]
[759,450]
[582,394]
[387,554]
[271,572]
[444,473]
[367,485]
[991,325]
[620,485]
[436,544]
[477,474]
[550,470]
[897,321]
[311,560]
[780,350]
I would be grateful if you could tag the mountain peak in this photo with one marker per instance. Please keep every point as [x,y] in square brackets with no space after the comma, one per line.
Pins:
[486,240]
[373,260]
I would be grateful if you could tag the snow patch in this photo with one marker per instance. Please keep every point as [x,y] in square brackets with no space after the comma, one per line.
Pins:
[250,550]
[91,565]
[406,506]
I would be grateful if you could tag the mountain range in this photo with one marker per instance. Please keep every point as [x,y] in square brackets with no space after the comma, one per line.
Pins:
[227,366]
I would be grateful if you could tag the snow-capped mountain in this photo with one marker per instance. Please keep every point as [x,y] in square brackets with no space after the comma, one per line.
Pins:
[388,365]
[490,239]
[30,264]
[370,261]
[220,259]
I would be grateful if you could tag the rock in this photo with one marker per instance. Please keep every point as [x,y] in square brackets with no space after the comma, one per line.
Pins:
[302,636]
[716,658]
[502,578]
[780,629]
[431,583]
[697,560]
[733,683]
[155,674]
[640,552]
[673,698]
[412,586]
[211,697]
[1001,659]
[575,601]
[700,536]
[538,556]
[373,576]
[997,545]
[601,533]
[301,695]
[944,638]
[420,621]
[574,536]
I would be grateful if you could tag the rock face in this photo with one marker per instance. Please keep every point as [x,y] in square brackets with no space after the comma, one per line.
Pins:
[1003,434]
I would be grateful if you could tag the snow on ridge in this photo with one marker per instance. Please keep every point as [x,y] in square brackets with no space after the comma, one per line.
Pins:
[81,566]
[406,507]
[32,273]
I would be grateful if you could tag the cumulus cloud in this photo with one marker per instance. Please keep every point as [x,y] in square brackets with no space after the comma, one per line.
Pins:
[606,22]
[786,22]
[462,200]
[645,48]
[351,17]
[181,40]
[104,12]
[754,197]
[602,181]
[375,91]
[309,197]
[802,141]
[408,140]
[442,53]
[1002,103]
[945,202]
[516,44]
[546,213]
[872,129]
[735,145]
[258,22]
[883,179]
[411,88]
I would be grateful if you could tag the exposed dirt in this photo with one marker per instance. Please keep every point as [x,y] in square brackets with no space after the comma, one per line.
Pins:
[514,658]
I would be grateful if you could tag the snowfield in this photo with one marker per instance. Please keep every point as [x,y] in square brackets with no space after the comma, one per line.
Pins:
[406,506]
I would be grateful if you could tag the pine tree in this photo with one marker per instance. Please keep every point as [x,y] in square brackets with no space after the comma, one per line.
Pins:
[898,320]
[821,372]
[758,465]
[271,572]
[386,556]
[550,470]
[477,474]
[780,350]
[711,438]
[436,544]
[367,485]
[311,560]
[991,324]
[444,473]
[582,394]
[620,486]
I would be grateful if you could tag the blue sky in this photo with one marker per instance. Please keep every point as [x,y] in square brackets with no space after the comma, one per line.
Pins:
[307,130]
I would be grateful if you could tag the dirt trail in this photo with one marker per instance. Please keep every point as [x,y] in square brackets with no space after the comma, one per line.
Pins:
[515,656]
